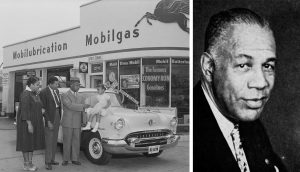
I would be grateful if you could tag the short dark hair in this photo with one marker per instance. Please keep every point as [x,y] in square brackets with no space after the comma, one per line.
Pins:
[219,22]
[51,80]
[32,80]
[101,86]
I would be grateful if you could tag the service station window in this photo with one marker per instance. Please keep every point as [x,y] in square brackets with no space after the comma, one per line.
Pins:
[130,81]
[112,72]
[180,85]
[62,74]
[155,82]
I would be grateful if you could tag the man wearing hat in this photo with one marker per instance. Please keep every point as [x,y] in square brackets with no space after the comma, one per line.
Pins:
[73,106]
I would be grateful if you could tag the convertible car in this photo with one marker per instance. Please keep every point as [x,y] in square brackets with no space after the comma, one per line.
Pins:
[146,130]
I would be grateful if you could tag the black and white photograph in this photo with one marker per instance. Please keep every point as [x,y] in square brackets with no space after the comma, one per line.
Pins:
[245,85]
[95,85]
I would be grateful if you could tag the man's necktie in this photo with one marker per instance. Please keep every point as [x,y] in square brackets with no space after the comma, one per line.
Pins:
[239,151]
[56,98]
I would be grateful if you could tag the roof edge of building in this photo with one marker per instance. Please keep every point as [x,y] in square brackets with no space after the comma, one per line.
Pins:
[86,4]
[43,36]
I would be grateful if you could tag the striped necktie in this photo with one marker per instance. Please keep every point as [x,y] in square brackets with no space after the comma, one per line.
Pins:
[56,98]
[239,151]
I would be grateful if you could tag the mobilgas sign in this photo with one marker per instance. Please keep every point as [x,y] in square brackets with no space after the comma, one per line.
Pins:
[111,36]
[34,51]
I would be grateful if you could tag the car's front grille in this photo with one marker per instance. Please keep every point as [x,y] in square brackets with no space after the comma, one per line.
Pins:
[148,138]
[148,134]
[146,143]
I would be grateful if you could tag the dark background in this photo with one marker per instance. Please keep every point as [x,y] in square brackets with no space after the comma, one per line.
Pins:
[281,116]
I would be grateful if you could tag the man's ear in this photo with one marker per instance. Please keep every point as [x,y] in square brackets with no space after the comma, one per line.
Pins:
[207,66]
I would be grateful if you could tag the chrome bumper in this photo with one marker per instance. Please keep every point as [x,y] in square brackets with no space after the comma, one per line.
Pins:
[121,147]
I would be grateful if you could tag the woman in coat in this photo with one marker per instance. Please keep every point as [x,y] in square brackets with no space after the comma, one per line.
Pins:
[30,127]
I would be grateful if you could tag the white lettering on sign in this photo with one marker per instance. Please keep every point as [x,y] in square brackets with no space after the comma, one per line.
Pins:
[5,79]
[155,78]
[30,73]
[130,62]
[155,69]
[112,64]
[129,97]
[155,87]
[97,68]
[123,63]
[180,61]
[94,58]
[162,61]
[133,62]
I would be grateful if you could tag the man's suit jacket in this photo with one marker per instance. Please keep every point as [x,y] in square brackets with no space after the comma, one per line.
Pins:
[211,151]
[49,104]
[73,107]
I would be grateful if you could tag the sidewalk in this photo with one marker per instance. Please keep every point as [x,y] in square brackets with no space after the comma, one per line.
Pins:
[7,123]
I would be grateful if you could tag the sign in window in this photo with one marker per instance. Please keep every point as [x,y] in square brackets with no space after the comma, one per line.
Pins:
[155,82]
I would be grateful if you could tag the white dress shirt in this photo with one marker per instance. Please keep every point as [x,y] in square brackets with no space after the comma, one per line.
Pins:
[75,93]
[27,88]
[54,94]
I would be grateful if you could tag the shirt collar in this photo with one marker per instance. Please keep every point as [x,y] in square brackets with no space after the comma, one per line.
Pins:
[27,88]
[50,89]
[225,125]
[72,92]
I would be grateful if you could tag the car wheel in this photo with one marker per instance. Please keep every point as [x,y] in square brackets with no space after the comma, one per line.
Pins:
[94,151]
[146,154]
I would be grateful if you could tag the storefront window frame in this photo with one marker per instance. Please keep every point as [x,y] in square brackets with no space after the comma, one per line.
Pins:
[105,78]
[186,58]
[141,72]
[158,57]
[119,75]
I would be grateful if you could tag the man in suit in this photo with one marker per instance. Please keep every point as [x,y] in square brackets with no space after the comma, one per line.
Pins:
[73,106]
[237,76]
[51,103]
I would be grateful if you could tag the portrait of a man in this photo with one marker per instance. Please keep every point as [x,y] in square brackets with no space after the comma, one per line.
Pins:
[237,75]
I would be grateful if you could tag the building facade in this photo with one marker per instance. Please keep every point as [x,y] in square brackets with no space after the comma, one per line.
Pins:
[150,62]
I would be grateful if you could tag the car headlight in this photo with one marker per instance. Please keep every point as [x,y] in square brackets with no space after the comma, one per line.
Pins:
[119,124]
[173,122]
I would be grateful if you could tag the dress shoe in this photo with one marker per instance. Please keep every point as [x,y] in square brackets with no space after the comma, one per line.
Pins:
[48,167]
[54,163]
[32,167]
[64,163]
[26,167]
[29,167]
[76,162]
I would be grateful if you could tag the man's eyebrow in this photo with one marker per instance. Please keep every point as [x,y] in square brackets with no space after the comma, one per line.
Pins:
[244,56]
[270,59]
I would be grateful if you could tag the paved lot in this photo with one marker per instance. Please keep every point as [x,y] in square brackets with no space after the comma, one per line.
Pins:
[172,160]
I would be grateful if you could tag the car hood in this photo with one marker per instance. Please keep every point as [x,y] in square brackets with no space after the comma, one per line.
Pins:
[135,120]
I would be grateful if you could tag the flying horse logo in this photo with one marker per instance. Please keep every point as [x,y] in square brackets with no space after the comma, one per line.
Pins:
[170,11]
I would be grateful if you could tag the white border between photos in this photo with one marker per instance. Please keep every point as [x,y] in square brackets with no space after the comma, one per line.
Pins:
[191,89]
